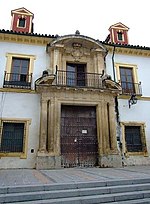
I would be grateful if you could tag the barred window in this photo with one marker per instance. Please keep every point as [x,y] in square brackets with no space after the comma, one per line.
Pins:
[133,138]
[12,137]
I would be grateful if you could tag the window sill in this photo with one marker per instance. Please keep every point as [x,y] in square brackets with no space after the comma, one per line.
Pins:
[18,90]
[127,96]
[145,154]
[14,154]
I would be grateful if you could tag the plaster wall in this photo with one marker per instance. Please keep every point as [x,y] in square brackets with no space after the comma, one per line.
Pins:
[40,63]
[22,106]
[142,68]
[137,113]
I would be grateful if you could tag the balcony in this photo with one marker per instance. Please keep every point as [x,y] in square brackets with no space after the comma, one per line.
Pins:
[130,88]
[74,79]
[21,81]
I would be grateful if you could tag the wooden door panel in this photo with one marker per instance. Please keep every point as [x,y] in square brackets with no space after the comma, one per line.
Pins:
[78,136]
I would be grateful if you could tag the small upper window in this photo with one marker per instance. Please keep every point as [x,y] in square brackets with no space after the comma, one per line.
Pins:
[120,36]
[22,22]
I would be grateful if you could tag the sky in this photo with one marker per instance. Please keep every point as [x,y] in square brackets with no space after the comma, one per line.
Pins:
[91,17]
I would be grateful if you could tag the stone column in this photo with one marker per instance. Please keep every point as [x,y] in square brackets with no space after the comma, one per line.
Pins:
[43,127]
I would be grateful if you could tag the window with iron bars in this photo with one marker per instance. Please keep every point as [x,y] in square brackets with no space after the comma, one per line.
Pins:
[12,137]
[133,138]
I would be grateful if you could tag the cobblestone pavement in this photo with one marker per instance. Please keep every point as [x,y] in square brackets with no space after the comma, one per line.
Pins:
[15,177]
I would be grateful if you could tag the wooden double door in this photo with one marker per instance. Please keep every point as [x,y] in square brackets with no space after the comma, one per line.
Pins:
[79,145]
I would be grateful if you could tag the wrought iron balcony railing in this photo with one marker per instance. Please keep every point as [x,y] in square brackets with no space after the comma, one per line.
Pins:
[131,88]
[76,79]
[13,80]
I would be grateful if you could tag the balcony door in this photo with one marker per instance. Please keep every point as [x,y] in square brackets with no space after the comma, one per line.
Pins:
[19,70]
[76,74]
[127,83]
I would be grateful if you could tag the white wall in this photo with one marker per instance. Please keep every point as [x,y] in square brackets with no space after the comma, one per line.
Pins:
[23,106]
[143,68]
[40,64]
[140,111]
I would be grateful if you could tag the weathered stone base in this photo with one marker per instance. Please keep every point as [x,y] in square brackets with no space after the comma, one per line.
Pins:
[136,161]
[48,162]
[110,161]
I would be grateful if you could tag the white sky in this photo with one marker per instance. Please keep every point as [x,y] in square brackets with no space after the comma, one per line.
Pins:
[91,17]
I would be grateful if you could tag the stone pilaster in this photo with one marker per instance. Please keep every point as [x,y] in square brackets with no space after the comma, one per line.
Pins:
[99,129]
[104,127]
[100,61]
[51,126]
[112,126]
[58,56]
[43,127]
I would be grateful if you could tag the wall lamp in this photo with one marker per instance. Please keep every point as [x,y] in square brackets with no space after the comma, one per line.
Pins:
[132,100]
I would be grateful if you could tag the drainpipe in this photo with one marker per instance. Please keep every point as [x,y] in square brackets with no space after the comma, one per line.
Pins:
[116,103]
[113,64]
[114,75]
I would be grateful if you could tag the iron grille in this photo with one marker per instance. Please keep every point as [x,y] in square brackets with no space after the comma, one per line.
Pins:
[12,137]
[14,80]
[80,79]
[133,138]
[131,88]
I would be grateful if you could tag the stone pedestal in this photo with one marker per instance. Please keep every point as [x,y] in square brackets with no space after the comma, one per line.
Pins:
[48,162]
[113,160]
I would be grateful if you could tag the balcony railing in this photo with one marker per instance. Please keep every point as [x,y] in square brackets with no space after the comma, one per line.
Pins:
[13,80]
[74,79]
[131,88]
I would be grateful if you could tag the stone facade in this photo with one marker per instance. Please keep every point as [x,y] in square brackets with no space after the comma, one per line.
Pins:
[53,97]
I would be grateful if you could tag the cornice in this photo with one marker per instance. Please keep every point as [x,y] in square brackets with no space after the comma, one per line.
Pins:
[129,50]
[33,39]
[30,91]
[41,39]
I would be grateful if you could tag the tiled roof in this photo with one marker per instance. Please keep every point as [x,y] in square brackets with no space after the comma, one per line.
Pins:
[27,34]
[55,36]
[126,45]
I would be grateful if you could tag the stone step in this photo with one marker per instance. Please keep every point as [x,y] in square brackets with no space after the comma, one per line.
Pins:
[84,191]
[137,201]
[53,194]
[117,198]
[63,186]
[87,192]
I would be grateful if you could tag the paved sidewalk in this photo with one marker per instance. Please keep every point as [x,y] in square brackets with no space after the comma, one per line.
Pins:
[15,177]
